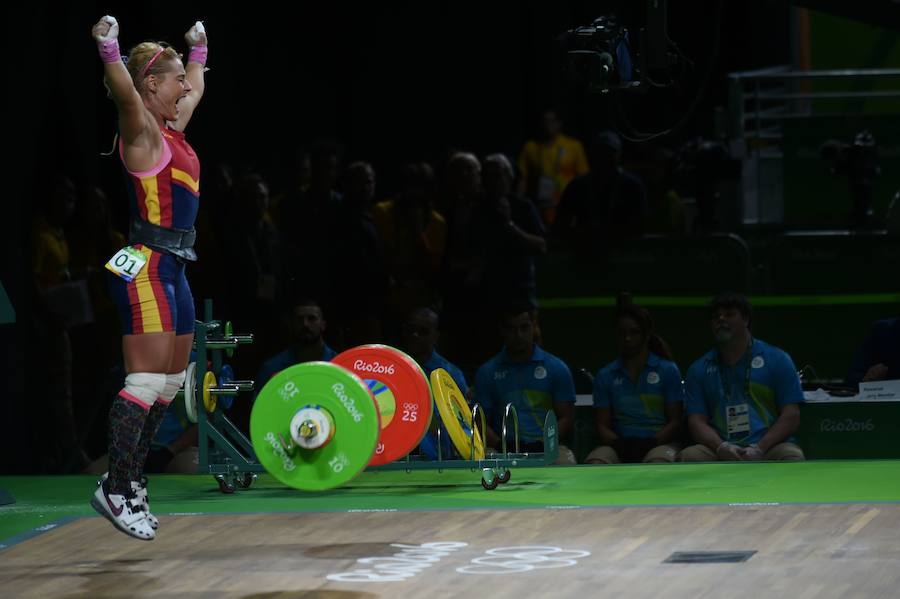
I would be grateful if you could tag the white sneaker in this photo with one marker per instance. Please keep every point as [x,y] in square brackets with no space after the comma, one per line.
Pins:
[142,501]
[123,512]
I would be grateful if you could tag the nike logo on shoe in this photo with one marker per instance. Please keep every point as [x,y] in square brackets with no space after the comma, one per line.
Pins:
[116,511]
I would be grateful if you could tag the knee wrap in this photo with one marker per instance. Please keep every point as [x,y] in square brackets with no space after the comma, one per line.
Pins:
[144,387]
[173,384]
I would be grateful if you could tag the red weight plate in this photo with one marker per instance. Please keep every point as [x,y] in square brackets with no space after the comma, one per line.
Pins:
[402,393]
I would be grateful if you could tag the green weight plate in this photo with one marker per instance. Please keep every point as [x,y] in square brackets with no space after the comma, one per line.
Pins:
[350,406]
[229,331]
[402,393]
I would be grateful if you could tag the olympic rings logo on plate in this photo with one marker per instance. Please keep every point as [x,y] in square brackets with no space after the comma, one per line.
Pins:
[524,558]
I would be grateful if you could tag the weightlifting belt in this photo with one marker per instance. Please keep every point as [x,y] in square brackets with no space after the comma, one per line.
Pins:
[177,242]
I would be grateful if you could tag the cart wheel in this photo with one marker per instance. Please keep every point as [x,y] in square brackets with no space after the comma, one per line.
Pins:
[505,475]
[245,479]
[224,486]
[489,479]
[490,486]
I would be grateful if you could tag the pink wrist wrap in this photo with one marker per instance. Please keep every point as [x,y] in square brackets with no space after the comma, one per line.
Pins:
[109,50]
[198,54]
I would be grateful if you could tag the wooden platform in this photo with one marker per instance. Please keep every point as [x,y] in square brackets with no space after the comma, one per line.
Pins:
[802,551]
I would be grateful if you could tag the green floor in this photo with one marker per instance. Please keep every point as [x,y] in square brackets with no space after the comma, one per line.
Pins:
[42,501]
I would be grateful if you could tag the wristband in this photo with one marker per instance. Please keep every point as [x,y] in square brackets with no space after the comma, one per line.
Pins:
[109,51]
[198,55]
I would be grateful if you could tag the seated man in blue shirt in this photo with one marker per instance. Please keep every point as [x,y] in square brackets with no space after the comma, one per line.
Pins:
[419,337]
[878,359]
[639,398]
[306,325]
[532,380]
[743,397]
[174,448]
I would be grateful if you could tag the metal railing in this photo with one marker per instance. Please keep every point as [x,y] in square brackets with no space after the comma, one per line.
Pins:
[762,100]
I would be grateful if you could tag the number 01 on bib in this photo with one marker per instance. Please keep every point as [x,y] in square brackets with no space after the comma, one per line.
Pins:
[127,263]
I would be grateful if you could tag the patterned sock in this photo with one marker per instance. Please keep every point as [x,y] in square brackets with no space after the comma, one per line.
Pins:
[151,425]
[126,421]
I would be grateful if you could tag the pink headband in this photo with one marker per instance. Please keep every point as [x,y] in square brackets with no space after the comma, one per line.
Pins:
[150,62]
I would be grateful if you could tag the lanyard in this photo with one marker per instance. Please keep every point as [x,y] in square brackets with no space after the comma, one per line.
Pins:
[726,384]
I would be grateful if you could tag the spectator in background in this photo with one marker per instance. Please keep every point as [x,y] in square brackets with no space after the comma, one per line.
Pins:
[255,276]
[92,241]
[743,397]
[174,448]
[878,358]
[505,235]
[50,248]
[655,166]
[639,398]
[548,163]
[214,224]
[304,223]
[414,237]
[460,198]
[306,326]
[606,205]
[532,380]
[419,337]
[359,252]
[300,174]
[50,345]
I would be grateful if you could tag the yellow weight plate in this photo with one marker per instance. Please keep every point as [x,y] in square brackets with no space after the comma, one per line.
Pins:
[455,414]
[209,400]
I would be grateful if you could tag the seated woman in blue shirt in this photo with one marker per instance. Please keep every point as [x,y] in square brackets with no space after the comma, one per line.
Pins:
[639,397]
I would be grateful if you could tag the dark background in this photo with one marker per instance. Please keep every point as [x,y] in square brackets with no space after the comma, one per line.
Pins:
[393,81]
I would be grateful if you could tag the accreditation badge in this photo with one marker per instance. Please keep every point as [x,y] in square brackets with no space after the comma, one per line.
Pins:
[737,418]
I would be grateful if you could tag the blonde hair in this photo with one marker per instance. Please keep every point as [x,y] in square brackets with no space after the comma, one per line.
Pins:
[142,54]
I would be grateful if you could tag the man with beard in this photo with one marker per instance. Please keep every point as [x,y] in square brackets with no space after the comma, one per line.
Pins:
[531,379]
[743,397]
[306,325]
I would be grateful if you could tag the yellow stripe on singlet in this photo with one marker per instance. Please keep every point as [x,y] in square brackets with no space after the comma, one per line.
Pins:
[151,198]
[186,179]
[152,323]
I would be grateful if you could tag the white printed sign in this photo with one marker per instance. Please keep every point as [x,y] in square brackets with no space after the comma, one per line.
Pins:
[880,391]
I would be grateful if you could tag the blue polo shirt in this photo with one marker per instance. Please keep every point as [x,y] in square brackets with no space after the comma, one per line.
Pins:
[279,362]
[531,386]
[711,388]
[639,410]
[438,361]
[173,425]
[428,444]
[174,422]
